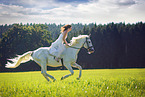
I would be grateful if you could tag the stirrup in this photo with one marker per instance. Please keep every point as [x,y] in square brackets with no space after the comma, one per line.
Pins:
[57,59]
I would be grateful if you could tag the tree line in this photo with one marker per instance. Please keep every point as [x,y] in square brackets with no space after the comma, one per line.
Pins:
[117,45]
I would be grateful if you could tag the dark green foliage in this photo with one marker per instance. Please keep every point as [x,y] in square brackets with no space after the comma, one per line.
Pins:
[22,38]
[117,45]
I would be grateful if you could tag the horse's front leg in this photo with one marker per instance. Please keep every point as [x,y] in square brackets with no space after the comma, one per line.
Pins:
[70,69]
[75,65]
[45,74]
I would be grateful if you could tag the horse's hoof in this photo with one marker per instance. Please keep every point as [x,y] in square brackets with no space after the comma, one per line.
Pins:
[62,78]
[78,78]
[54,80]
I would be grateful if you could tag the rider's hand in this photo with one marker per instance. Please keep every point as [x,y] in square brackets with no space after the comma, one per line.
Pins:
[67,44]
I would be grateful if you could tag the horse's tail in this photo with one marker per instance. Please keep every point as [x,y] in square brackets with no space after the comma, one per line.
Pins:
[15,62]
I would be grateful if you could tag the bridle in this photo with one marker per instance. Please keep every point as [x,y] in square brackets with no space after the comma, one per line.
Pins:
[82,45]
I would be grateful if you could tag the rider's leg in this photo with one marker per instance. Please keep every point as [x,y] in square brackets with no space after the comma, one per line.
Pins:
[59,53]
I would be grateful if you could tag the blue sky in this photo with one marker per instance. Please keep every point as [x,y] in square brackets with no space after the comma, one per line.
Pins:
[71,11]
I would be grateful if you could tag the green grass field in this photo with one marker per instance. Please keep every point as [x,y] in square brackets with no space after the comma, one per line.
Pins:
[94,83]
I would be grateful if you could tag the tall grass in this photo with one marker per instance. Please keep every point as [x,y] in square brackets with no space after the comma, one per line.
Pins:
[95,82]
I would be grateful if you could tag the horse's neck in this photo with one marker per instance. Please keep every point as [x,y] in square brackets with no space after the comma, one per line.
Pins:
[78,45]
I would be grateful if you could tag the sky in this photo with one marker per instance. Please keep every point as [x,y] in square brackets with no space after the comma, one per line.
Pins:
[71,11]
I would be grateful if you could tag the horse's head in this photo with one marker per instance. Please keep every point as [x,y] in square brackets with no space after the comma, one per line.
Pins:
[86,42]
[88,45]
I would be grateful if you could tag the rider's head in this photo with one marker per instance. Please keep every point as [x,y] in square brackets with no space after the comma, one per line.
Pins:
[66,27]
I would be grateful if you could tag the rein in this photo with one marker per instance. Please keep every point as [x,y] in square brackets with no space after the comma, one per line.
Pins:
[73,47]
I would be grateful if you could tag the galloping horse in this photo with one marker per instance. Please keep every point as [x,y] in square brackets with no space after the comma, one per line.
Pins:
[44,58]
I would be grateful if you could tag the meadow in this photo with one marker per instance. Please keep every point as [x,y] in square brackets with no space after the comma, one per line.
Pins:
[93,83]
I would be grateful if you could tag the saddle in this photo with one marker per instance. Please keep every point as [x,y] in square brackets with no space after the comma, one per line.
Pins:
[61,59]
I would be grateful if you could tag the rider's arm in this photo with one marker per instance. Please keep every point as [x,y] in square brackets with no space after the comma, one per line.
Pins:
[64,37]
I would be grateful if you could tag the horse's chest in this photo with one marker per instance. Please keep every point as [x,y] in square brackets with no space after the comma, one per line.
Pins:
[70,59]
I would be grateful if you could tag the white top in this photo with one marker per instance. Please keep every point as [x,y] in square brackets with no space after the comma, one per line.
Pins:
[57,47]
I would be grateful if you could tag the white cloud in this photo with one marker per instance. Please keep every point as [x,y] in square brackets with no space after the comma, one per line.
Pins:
[103,11]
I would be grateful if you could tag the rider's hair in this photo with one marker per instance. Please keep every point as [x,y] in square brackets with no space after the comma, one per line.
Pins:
[65,27]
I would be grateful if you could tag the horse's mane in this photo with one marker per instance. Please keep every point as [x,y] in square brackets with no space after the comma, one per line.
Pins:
[76,39]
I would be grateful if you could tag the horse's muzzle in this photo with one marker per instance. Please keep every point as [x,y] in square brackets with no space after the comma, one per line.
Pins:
[91,50]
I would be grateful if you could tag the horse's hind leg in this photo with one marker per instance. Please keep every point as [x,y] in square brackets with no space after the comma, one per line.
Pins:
[45,74]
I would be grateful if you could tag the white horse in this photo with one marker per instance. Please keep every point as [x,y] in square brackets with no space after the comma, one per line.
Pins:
[43,57]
